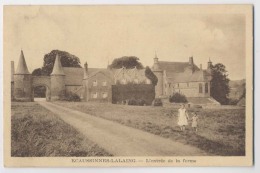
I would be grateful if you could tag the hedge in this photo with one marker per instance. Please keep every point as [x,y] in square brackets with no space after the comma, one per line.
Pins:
[137,94]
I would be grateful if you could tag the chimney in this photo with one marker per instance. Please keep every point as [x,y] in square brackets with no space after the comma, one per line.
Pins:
[85,70]
[191,60]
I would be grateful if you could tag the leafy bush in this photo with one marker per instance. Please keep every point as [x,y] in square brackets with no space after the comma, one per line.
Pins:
[157,102]
[140,102]
[178,98]
[233,101]
[130,91]
[71,97]
[137,102]
[132,102]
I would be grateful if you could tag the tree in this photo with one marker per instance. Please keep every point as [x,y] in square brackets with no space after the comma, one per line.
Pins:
[67,60]
[150,75]
[220,83]
[127,62]
[37,72]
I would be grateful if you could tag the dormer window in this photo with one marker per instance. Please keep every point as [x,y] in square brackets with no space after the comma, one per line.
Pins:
[95,83]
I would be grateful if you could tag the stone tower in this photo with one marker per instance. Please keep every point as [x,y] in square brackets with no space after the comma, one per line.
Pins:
[209,70]
[22,81]
[159,74]
[57,80]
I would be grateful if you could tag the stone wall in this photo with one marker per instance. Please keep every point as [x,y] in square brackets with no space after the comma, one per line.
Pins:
[57,87]
[76,89]
[99,88]
[23,87]
[191,89]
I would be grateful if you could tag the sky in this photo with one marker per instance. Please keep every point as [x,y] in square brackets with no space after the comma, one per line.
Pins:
[98,34]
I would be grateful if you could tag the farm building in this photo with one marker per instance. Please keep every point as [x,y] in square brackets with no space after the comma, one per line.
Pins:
[91,84]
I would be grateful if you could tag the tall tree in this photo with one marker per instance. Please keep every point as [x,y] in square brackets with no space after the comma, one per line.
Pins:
[220,83]
[67,60]
[127,62]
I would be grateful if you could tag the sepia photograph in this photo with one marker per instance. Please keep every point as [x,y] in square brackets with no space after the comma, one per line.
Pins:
[128,85]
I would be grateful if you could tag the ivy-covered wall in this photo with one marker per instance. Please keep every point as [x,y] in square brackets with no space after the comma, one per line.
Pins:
[122,93]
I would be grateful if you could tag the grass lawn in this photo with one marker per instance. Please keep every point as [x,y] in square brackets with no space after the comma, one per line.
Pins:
[220,131]
[37,132]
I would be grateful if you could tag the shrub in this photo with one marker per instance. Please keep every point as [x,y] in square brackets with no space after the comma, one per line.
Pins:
[233,101]
[131,91]
[132,102]
[140,102]
[137,102]
[157,102]
[178,98]
[71,97]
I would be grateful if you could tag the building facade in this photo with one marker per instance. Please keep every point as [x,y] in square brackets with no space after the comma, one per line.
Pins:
[182,77]
[90,84]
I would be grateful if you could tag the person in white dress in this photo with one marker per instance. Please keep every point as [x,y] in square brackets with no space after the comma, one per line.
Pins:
[182,117]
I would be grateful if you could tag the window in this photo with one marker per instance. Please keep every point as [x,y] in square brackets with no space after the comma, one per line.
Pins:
[95,95]
[95,83]
[104,83]
[169,85]
[148,81]
[178,85]
[200,88]
[188,84]
[104,95]
[206,87]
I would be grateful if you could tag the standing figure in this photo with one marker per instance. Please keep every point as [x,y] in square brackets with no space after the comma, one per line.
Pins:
[183,117]
[194,123]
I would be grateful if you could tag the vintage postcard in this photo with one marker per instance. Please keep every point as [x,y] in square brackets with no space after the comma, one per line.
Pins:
[128,85]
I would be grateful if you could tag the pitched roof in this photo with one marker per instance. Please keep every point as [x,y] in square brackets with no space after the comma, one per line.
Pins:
[177,67]
[196,76]
[106,72]
[130,74]
[22,67]
[73,76]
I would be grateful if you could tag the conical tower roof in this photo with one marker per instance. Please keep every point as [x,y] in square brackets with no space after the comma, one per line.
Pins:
[57,68]
[22,67]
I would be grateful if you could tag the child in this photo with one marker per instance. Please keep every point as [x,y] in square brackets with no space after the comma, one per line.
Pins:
[194,123]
